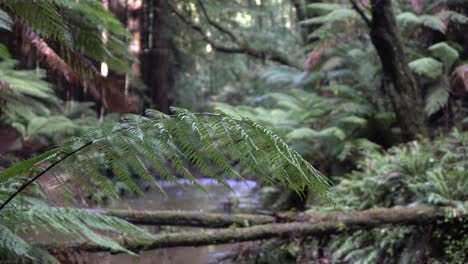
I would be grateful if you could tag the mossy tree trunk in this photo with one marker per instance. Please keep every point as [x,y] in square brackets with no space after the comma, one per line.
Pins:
[401,85]
[186,218]
[311,224]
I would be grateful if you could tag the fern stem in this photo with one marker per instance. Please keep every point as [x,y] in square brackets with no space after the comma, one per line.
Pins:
[51,166]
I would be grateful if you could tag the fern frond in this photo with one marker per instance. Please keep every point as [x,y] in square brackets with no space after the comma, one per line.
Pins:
[304,133]
[433,22]
[79,225]
[13,247]
[436,99]
[5,21]
[337,15]
[409,20]
[323,7]
[427,66]
[182,141]
[43,16]
[453,16]
[74,223]
[445,53]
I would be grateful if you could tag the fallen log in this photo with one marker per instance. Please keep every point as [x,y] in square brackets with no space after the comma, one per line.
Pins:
[186,218]
[327,223]
[377,216]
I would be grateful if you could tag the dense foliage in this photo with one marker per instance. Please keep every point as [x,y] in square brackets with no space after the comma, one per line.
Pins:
[415,173]
[411,174]
[273,87]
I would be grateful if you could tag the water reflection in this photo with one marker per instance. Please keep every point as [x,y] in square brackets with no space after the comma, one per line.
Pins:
[185,196]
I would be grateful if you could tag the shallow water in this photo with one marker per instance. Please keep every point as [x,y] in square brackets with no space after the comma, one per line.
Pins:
[241,198]
[185,196]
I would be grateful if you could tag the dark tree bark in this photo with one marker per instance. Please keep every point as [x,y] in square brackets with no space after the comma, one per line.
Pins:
[155,55]
[402,88]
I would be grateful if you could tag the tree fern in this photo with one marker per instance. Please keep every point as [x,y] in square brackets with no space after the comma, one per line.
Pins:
[43,16]
[35,217]
[13,247]
[171,144]
[208,142]
[77,26]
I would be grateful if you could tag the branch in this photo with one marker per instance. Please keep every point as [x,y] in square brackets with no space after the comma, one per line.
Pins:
[361,13]
[51,166]
[217,25]
[326,223]
[243,49]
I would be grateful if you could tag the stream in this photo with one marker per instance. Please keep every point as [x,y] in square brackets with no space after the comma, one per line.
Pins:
[243,199]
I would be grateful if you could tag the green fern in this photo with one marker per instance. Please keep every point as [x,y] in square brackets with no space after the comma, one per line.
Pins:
[178,143]
[78,27]
[323,7]
[437,98]
[428,172]
[5,21]
[29,103]
[428,67]
[34,217]
[453,16]
[87,20]
[409,20]
[433,22]
[445,53]
[207,141]
[336,15]
[13,247]
[42,16]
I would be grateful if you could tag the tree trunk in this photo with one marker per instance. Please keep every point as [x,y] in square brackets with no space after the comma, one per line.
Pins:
[403,90]
[315,224]
[155,58]
[186,218]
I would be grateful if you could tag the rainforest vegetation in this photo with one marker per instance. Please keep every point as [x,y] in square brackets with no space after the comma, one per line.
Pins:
[289,131]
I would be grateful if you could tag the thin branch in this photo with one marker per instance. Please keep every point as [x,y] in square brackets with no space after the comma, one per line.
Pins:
[51,166]
[244,49]
[361,13]
[217,25]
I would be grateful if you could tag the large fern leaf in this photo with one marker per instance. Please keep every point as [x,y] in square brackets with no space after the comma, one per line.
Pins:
[445,53]
[13,247]
[427,66]
[437,98]
[5,20]
[337,15]
[35,217]
[179,143]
